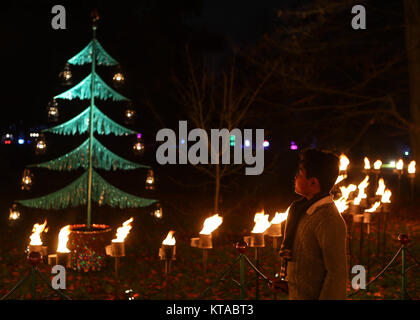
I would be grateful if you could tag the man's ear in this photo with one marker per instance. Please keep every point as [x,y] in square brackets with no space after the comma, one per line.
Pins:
[315,182]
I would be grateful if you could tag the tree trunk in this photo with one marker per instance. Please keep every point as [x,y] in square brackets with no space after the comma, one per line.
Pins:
[412,32]
[217,190]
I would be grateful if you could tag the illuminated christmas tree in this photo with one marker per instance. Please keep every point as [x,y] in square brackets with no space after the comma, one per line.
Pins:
[91,154]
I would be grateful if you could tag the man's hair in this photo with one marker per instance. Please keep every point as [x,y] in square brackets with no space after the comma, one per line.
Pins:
[321,164]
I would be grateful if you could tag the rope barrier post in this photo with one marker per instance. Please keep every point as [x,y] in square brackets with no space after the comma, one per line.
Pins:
[403,238]
[378,232]
[257,260]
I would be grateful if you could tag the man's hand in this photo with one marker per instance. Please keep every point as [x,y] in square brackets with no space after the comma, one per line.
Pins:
[278,284]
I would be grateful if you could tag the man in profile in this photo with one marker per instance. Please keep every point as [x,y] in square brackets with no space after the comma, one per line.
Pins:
[314,245]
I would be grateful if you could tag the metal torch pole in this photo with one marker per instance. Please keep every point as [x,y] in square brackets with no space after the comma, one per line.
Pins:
[378,232]
[361,241]
[33,284]
[403,269]
[257,263]
[242,275]
[167,276]
[411,188]
[205,256]
[385,222]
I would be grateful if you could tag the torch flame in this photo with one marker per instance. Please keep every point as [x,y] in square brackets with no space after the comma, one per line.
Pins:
[377,165]
[386,196]
[36,232]
[341,204]
[211,224]
[367,163]
[280,217]
[374,207]
[412,167]
[340,178]
[169,240]
[362,186]
[381,187]
[400,164]
[345,191]
[261,222]
[344,162]
[123,231]
[63,237]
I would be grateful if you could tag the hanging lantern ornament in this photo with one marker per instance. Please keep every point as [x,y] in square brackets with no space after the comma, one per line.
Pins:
[118,79]
[129,113]
[41,145]
[66,75]
[138,146]
[26,180]
[150,180]
[52,110]
[158,212]
[14,213]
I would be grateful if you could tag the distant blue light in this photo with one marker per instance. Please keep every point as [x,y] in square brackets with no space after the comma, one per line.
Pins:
[182,141]
[21,141]
[28,141]
[247,143]
[406,153]
[266,144]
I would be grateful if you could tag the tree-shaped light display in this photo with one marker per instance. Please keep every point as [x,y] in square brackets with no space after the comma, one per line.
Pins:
[91,154]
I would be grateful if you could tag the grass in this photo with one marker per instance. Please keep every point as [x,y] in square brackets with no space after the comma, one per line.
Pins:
[141,274]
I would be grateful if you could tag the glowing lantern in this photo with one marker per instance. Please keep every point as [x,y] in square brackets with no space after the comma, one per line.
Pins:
[63,238]
[150,180]
[129,114]
[66,75]
[344,163]
[123,231]
[41,145]
[138,146]
[14,213]
[26,179]
[118,79]
[158,212]
[52,110]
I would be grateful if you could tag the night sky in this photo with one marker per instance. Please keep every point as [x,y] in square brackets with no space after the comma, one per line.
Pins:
[33,53]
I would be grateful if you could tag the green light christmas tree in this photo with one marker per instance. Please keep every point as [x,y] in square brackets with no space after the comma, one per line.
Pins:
[91,153]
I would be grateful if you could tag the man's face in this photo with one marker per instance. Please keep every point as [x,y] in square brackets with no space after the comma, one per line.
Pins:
[302,184]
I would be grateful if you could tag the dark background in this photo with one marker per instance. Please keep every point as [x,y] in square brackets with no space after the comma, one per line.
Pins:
[148,38]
